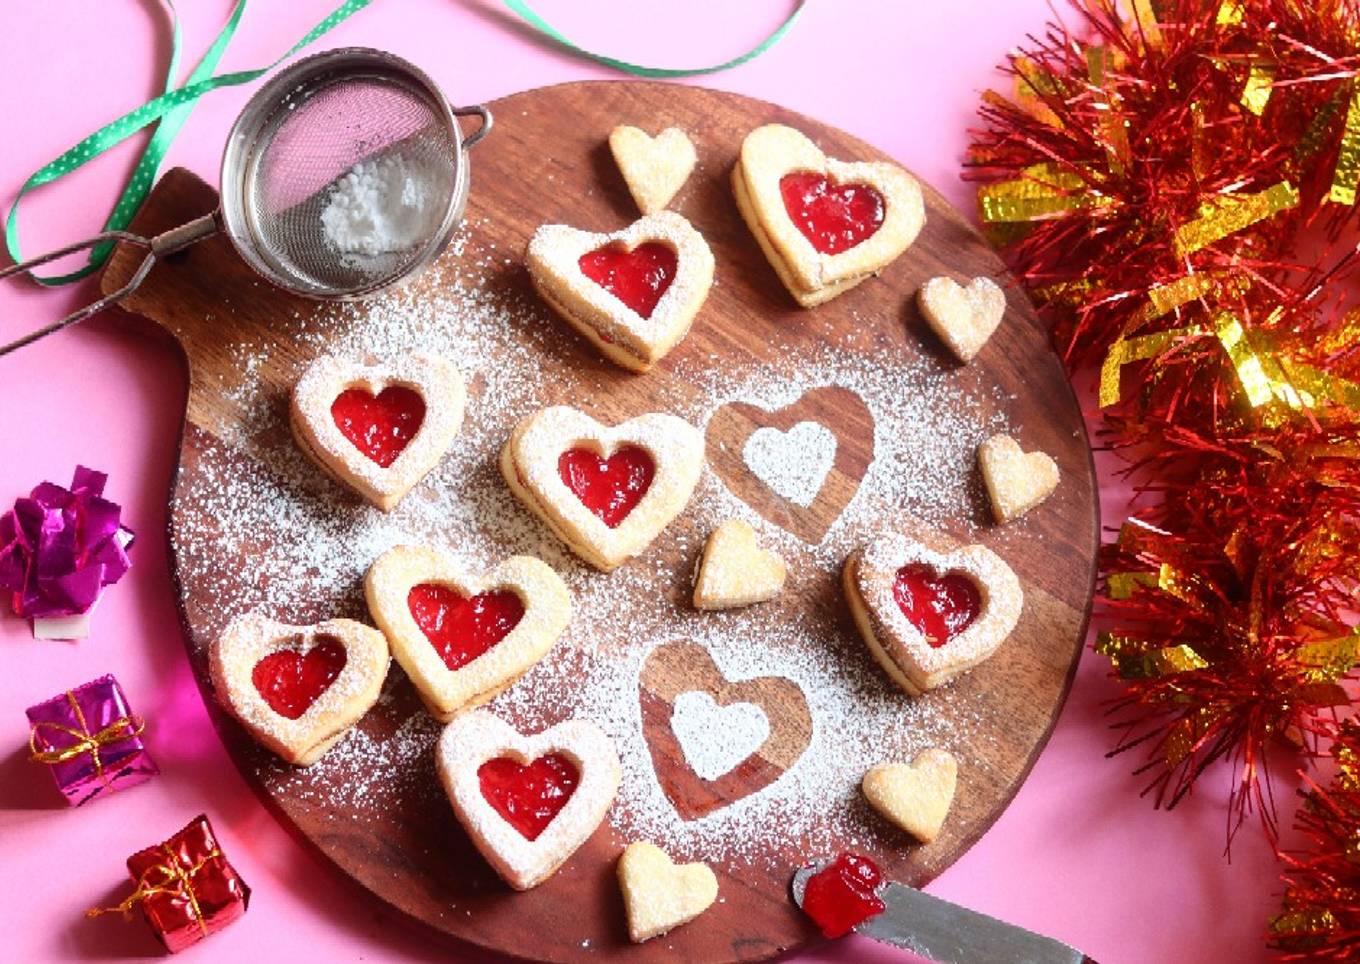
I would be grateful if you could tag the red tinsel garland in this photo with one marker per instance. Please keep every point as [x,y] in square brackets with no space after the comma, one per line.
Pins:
[1176,186]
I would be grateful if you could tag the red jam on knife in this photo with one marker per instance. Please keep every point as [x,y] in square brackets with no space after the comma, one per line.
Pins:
[382,425]
[834,217]
[291,681]
[638,278]
[941,607]
[610,488]
[843,894]
[462,628]
[528,797]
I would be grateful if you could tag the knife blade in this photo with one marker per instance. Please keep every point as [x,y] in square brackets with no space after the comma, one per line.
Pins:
[950,934]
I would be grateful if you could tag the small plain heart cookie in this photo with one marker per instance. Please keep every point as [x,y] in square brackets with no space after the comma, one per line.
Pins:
[928,615]
[464,638]
[914,796]
[380,428]
[963,318]
[659,895]
[654,168]
[1016,480]
[734,571]
[527,802]
[606,492]
[633,293]
[824,225]
[298,689]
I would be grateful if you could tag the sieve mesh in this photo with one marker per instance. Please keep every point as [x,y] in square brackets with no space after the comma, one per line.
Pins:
[311,137]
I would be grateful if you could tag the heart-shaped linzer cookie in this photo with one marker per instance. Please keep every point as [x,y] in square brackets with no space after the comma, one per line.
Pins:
[915,796]
[527,802]
[464,638]
[633,293]
[298,689]
[607,492]
[927,613]
[735,571]
[660,895]
[378,428]
[798,466]
[825,225]
[738,736]
[963,318]
[1016,480]
[653,167]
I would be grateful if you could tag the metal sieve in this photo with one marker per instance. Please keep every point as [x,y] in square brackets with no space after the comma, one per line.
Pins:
[300,133]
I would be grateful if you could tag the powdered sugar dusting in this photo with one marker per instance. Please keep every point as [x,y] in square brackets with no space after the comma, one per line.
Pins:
[716,738]
[794,463]
[309,543]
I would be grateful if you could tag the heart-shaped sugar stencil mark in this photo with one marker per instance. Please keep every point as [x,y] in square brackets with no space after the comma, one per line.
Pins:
[704,772]
[716,738]
[797,466]
[794,463]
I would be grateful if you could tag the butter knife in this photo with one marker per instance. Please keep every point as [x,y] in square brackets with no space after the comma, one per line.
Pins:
[945,932]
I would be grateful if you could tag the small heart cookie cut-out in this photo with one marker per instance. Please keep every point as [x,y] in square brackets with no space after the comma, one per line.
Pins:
[660,895]
[380,428]
[527,802]
[734,571]
[720,751]
[298,689]
[914,796]
[824,225]
[654,168]
[461,638]
[606,492]
[1016,480]
[928,614]
[633,293]
[963,318]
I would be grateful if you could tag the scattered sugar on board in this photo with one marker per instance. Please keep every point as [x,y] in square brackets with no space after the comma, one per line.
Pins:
[310,543]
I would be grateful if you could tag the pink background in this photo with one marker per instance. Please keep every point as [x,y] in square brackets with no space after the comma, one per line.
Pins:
[1078,855]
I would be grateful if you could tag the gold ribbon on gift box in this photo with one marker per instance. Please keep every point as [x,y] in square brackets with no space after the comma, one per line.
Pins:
[123,728]
[174,878]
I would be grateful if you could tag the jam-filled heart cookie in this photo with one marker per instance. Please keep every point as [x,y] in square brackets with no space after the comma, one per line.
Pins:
[734,571]
[606,492]
[653,167]
[633,293]
[463,638]
[298,689]
[378,428]
[928,615]
[915,796]
[963,318]
[658,894]
[1016,480]
[825,225]
[527,802]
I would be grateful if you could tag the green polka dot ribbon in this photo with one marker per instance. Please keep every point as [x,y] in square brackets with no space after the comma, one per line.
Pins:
[171,109]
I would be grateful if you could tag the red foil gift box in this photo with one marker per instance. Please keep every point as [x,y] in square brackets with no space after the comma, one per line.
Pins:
[186,887]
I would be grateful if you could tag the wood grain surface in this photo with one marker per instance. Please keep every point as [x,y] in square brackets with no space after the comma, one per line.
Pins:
[547,161]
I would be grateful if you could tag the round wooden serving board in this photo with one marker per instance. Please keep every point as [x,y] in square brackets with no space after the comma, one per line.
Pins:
[547,161]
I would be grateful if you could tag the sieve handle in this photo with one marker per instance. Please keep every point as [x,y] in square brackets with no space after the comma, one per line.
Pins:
[162,245]
[481,111]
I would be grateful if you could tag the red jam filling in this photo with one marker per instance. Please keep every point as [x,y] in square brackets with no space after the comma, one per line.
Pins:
[638,278]
[843,895]
[611,487]
[528,797]
[290,681]
[382,425]
[941,607]
[461,628]
[834,217]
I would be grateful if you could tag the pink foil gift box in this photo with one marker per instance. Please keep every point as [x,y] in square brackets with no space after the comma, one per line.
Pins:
[91,741]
